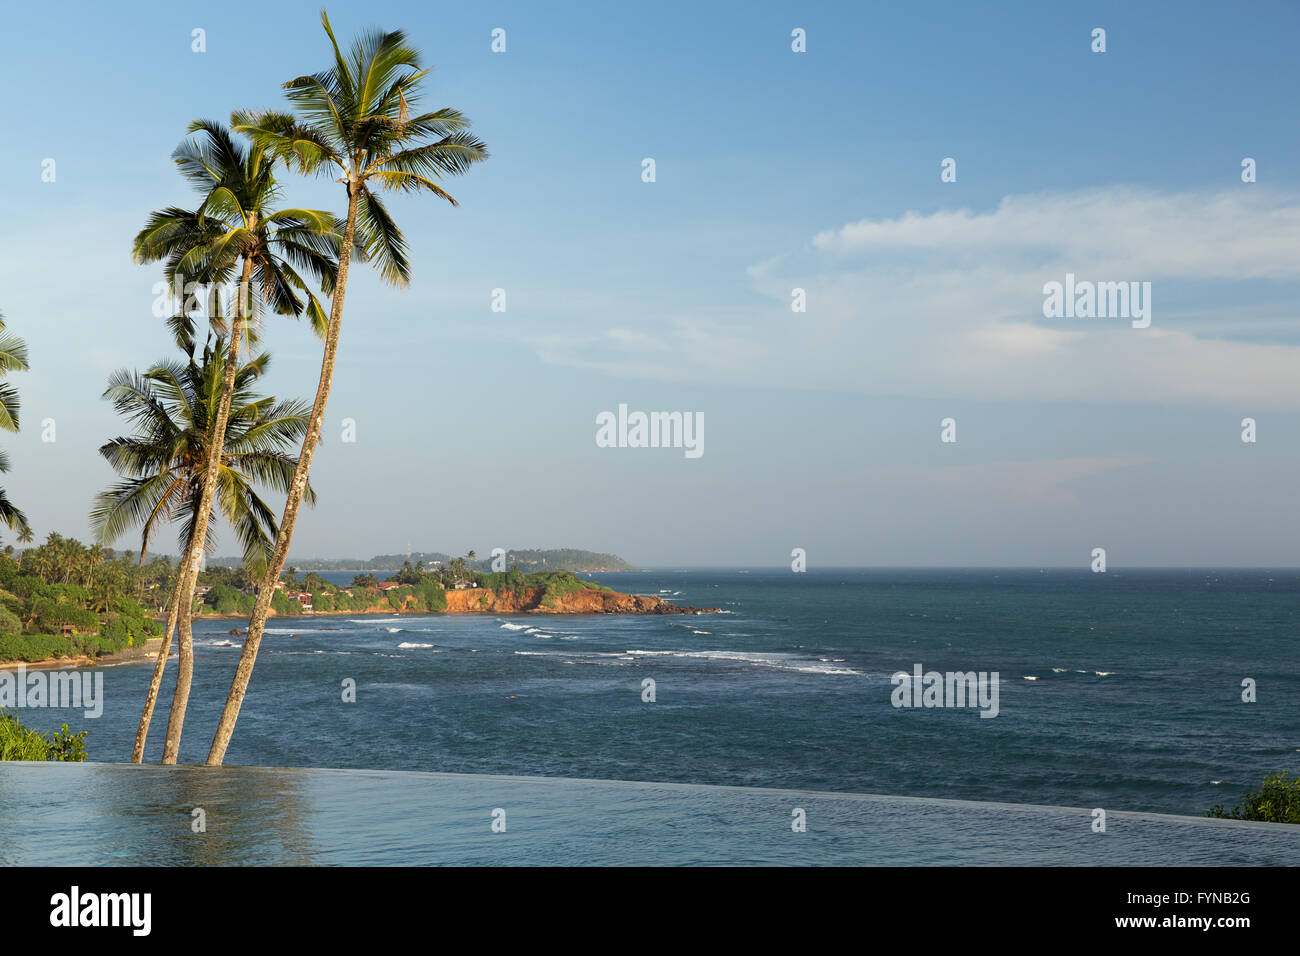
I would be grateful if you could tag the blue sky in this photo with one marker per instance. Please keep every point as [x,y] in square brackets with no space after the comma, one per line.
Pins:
[774,170]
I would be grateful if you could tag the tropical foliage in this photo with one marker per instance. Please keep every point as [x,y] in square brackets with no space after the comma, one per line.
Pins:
[19,743]
[172,409]
[66,599]
[1277,801]
[13,358]
[235,226]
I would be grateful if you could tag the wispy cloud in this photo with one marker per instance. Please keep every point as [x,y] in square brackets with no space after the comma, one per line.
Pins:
[949,304]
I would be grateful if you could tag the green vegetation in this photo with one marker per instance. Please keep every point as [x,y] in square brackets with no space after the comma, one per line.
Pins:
[1277,801]
[174,410]
[231,591]
[63,599]
[238,229]
[561,583]
[19,743]
[13,358]
[171,408]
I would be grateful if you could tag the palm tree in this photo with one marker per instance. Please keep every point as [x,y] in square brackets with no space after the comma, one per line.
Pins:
[172,410]
[13,358]
[355,123]
[236,223]
[25,536]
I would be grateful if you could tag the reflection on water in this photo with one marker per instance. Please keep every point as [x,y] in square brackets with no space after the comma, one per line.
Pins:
[120,814]
[112,814]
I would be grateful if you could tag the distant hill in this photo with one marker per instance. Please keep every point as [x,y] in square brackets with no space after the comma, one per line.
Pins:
[528,559]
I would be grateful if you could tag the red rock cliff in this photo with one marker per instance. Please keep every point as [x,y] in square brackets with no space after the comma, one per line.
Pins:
[586,601]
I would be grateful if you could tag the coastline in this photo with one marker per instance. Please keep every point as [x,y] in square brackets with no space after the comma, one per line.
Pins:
[147,651]
[463,601]
[525,601]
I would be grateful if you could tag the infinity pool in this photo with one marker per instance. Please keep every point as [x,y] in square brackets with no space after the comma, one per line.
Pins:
[116,814]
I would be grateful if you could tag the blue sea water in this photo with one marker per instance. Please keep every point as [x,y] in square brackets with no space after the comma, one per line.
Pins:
[1135,702]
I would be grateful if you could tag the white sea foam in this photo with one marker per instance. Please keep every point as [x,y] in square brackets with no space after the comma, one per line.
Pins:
[513,627]
[774,660]
[1031,678]
[409,646]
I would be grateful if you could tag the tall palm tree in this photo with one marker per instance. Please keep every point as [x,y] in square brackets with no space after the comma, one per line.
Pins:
[13,358]
[25,537]
[235,227]
[355,124]
[172,410]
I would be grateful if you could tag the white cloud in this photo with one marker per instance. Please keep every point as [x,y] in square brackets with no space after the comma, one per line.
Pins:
[950,304]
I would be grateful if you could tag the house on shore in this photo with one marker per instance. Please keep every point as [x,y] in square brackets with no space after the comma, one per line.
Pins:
[302,597]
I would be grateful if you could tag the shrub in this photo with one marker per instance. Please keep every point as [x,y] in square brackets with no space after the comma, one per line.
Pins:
[430,596]
[560,583]
[48,614]
[35,647]
[19,743]
[224,599]
[397,596]
[1277,801]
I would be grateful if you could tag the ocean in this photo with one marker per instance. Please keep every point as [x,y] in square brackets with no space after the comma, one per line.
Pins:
[1120,690]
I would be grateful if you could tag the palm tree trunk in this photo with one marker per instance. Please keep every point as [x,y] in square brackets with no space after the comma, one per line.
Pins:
[194,554]
[160,664]
[293,502]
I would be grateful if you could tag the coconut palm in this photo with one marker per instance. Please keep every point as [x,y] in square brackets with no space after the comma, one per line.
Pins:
[172,409]
[13,358]
[236,229]
[355,123]
[25,537]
